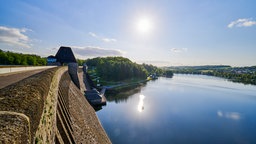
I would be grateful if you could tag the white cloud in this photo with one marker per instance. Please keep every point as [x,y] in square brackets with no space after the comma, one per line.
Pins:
[246,22]
[229,115]
[109,40]
[104,39]
[93,34]
[219,113]
[92,51]
[233,115]
[14,36]
[179,50]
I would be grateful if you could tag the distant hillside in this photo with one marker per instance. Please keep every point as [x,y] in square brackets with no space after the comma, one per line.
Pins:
[204,67]
[246,75]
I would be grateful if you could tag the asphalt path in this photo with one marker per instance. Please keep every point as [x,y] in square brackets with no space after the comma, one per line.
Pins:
[10,78]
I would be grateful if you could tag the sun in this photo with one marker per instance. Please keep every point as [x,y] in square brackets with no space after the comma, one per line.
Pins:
[144,25]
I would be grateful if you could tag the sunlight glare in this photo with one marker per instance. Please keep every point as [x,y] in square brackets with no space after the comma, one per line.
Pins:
[141,103]
[144,25]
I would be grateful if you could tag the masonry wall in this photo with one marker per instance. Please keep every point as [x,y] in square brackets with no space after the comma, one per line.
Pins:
[21,107]
[48,108]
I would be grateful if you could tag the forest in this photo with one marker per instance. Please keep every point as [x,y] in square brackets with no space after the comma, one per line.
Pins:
[120,68]
[12,58]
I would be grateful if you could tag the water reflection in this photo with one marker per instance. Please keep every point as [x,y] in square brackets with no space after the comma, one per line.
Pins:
[122,96]
[183,111]
[229,115]
[141,103]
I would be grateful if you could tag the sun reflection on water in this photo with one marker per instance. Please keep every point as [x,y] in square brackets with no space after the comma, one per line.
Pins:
[141,103]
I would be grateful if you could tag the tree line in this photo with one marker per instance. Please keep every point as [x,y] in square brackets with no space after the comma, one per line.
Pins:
[120,68]
[245,78]
[246,75]
[12,58]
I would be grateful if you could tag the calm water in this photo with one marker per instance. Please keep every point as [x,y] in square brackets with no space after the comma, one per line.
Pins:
[184,109]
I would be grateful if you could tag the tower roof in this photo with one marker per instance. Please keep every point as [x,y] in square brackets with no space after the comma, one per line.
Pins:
[65,55]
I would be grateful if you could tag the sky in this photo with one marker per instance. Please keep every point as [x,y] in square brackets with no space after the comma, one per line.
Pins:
[158,32]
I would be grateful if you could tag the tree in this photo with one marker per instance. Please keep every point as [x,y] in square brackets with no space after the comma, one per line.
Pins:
[3,58]
[31,60]
[117,68]
[11,58]
[168,73]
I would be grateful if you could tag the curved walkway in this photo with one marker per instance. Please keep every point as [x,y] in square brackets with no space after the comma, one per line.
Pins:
[8,79]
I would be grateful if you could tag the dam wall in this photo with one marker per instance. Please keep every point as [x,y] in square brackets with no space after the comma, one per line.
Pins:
[72,70]
[48,108]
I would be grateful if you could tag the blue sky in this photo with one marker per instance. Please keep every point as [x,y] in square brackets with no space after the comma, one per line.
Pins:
[173,32]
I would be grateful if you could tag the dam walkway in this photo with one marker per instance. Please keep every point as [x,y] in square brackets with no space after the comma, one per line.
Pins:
[13,77]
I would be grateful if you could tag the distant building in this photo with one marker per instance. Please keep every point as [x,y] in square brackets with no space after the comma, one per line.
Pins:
[63,56]
[51,60]
[153,76]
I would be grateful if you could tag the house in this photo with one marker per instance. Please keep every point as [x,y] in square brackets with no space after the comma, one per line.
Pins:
[51,60]
[153,76]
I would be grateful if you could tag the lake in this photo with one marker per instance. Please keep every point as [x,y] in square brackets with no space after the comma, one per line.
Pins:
[184,109]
